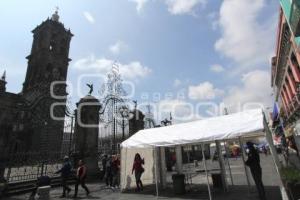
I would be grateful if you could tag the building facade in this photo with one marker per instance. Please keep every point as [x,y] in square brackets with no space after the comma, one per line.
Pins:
[26,118]
[285,64]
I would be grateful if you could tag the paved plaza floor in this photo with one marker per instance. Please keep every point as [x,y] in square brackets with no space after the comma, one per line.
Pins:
[198,192]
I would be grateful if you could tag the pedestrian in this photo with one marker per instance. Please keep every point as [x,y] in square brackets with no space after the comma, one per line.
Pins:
[104,160]
[264,149]
[139,170]
[65,172]
[215,156]
[108,172]
[80,178]
[253,163]
[115,169]
[173,158]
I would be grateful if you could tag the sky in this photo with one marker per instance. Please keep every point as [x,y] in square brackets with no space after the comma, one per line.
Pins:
[188,57]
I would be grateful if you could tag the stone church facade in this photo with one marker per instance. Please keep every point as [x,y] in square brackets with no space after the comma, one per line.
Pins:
[26,122]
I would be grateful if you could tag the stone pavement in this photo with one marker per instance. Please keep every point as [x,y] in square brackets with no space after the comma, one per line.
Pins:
[197,192]
[237,192]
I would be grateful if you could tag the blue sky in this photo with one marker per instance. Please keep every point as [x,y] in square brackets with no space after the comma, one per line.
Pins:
[207,51]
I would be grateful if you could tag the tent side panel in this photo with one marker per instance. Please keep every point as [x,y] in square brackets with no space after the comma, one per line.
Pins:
[127,157]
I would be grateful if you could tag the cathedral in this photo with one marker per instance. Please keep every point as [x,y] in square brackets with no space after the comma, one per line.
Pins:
[33,120]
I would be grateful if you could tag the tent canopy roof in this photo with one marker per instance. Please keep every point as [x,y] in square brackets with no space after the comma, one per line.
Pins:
[248,123]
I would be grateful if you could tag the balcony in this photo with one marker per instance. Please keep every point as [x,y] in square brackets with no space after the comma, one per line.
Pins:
[291,9]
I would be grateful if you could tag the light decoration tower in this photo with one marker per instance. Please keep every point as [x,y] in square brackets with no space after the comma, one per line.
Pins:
[149,118]
[113,95]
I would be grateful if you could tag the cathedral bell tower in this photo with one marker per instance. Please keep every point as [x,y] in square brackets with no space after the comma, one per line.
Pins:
[47,62]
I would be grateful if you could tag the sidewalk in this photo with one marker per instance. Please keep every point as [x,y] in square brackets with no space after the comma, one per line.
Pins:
[98,192]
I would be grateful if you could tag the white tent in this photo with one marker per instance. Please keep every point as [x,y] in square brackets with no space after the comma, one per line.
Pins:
[247,123]
[250,123]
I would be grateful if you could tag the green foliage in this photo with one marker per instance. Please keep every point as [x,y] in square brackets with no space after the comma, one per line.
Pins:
[290,174]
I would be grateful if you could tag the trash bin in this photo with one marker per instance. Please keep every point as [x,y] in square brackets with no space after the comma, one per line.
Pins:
[178,183]
[217,180]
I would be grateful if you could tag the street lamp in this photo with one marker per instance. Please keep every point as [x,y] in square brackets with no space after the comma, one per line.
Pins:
[124,111]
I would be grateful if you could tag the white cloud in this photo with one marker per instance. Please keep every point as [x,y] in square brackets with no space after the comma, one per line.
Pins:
[140,4]
[255,89]
[181,110]
[204,91]
[180,7]
[177,82]
[118,47]
[89,17]
[213,17]
[244,38]
[217,68]
[131,70]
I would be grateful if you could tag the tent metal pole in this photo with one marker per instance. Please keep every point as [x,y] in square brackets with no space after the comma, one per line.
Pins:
[125,160]
[228,161]
[204,161]
[155,171]
[245,167]
[278,164]
[269,138]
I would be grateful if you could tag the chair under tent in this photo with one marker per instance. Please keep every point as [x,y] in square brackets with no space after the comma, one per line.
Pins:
[151,143]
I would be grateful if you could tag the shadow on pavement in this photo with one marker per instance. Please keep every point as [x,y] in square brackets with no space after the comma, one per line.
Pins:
[201,192]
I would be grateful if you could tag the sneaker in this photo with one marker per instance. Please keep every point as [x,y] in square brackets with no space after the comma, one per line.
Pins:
[62,196]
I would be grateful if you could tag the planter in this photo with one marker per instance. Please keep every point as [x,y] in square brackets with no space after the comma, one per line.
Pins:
[293,189]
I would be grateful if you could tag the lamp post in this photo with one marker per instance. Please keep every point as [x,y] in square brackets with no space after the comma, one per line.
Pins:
[124,111]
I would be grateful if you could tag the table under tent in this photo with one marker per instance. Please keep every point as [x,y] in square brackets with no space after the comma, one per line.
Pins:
[151,145]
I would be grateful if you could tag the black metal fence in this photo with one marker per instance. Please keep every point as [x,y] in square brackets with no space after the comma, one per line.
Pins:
[28,166]
[21,167]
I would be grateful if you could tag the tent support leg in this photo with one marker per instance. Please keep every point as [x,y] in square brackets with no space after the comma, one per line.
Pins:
[228,161]
[163,175]
[178,151]
[124,176]
[222,166]
[204,161]
[155,171]
[245,167]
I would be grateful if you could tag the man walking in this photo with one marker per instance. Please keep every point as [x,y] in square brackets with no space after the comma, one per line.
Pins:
[253,163]
[65,172]
[80,179]
[104,160]
[115,169]
[108,172]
